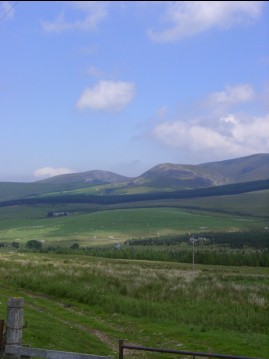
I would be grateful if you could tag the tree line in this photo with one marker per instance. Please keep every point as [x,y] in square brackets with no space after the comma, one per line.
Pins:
[238,239]
[213,256]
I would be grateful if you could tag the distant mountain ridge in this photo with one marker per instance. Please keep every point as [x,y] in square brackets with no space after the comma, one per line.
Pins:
[177,176]
[166,177]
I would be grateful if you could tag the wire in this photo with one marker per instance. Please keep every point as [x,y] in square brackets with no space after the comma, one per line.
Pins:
[11,8]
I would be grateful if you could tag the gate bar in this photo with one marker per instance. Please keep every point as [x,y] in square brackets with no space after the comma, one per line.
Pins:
[184,352]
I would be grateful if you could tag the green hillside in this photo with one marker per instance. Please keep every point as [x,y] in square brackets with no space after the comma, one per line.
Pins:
[254,204]
[59,198]
[91,227]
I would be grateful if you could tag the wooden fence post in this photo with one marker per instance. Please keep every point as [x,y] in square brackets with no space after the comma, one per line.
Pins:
[2,324]
[121,349]
[14,323]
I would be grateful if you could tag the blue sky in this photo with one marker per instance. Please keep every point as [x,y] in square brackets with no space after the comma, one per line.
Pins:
[123,86]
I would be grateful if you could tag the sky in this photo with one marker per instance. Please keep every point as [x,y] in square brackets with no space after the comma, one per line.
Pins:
[123,86]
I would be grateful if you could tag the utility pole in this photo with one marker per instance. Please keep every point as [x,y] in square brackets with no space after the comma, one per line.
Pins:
[192,240]
[193,255]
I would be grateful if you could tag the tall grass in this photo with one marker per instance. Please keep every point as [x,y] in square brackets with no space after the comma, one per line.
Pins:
[225,299]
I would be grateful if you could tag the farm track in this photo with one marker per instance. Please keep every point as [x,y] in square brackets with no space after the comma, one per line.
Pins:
[109,341]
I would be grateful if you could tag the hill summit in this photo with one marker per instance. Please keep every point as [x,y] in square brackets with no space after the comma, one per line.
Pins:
[95,177]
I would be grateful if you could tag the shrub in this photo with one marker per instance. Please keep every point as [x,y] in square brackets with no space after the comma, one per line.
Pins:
[34,244]
[75,246]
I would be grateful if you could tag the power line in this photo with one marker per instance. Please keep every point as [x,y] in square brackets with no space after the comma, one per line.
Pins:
[9,10]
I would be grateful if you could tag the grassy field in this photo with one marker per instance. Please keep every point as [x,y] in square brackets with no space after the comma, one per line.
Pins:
[93,302]
[88,226]
[251,203]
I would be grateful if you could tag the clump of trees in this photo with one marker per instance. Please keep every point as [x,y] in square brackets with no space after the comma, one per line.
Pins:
[75,246]
[34,244]
[14,244]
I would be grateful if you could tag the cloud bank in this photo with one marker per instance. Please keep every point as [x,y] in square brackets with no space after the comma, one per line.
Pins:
[223,133]
[237,137]
[180,19]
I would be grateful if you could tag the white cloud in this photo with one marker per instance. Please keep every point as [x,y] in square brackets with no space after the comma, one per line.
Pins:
[107,95]
[237,136]
[188,18]
[51,172]
[93,12]
[232,95]
[252,133]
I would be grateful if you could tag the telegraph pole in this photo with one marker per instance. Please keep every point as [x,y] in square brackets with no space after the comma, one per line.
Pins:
[192,240]
[193,254]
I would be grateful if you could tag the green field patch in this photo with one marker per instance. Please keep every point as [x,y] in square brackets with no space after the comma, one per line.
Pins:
[252,203]
[108,226]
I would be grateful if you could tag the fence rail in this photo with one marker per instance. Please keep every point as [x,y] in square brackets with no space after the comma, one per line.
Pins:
[47,354]
[123,346]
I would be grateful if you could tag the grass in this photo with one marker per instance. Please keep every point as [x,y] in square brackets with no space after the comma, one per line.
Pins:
[114,189]
[217,309]
[14,190]
[45,318]
[251,203]
[23,223]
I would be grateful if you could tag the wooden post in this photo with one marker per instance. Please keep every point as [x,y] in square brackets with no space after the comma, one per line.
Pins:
[14,323]
[121,349]
[2,324]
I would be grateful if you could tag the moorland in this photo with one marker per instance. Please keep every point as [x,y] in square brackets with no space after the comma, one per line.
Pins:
[116,258]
